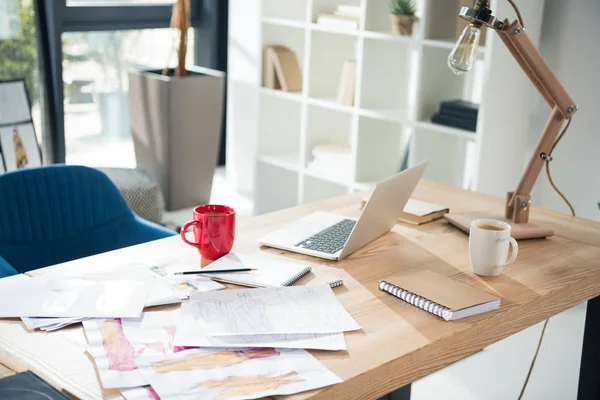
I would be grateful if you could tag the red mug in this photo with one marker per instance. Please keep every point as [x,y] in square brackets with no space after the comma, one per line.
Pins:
[214,230]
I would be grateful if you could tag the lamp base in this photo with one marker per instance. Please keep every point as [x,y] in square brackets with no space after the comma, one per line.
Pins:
[519,231]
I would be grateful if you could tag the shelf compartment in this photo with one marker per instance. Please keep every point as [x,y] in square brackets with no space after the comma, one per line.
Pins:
[326,126]
[279,126]
[377,16]
[447,130]
[275,188]
[291,161]
[291,37]
[447,155]
[391,115]
[294,10]
[337,31]
[381,149]
[437,83]
[291,23]
[316,189]
[327,6]
[386,82]
[329,52]
[330,104]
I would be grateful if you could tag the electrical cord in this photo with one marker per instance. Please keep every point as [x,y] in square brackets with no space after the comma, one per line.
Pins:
[548,159]
[548,168]
[519,16]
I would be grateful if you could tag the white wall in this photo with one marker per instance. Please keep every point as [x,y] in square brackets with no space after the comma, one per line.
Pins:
[570,42]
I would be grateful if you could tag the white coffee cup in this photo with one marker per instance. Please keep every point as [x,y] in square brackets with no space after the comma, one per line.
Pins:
[488,246]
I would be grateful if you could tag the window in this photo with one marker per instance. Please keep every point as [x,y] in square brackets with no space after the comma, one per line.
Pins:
[18,55]
[88,47]
[95,86]
[117,3]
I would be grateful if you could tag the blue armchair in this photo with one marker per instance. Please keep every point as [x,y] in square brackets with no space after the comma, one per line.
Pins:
[59,213]
[6,269]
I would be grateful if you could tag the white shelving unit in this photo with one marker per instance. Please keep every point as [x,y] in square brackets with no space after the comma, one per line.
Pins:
[399,86]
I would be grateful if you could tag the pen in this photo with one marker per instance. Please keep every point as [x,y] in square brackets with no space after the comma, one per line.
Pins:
[216,271]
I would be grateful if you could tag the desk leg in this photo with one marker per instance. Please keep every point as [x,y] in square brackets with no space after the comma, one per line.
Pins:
[589,373]
[401,394]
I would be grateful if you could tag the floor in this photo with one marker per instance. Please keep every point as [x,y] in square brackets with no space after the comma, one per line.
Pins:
[497,372]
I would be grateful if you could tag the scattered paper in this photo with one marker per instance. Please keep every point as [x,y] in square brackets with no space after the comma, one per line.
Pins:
[115,344]
[225,374]
[270,272]
[294,310]
[140,393]
[48,323]
[74,297]
[315,341]
[185,284]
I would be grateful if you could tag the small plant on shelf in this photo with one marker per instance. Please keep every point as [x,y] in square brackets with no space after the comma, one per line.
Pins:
[402,16]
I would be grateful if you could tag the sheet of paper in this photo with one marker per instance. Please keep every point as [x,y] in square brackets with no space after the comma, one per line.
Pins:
[116,343]
[225,374]
[48,323]
[302,309]
[74,297]
[182,285]
[19,145]
[140,393]
[270,272]
[185,284]
[314,341]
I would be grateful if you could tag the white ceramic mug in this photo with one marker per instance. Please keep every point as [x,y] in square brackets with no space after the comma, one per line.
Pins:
[488,246]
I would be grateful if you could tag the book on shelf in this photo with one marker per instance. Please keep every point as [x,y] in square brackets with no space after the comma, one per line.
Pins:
[454,122]
[343,22]
[281,69]
[457,114]
[347,85]
[418,212]
[463,108]
[348,11]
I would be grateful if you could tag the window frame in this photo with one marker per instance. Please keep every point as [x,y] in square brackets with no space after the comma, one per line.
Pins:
[55,18]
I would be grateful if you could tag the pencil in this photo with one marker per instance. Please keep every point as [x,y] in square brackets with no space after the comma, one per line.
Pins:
[215,271]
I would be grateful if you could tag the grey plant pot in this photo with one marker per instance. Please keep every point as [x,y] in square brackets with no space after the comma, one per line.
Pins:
[176,124]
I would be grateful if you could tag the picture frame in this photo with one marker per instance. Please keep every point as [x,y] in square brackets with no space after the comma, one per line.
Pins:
[19,147]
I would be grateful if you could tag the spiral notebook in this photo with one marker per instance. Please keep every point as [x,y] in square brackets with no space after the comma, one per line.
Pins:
[440,295]
[269,272]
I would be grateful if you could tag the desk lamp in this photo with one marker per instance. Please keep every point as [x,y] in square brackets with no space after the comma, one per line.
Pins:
[563,107]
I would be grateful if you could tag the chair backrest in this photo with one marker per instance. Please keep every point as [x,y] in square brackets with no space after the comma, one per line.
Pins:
[47,214]
[6,269]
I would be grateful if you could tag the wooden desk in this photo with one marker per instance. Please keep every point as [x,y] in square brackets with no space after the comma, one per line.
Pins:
[398,343]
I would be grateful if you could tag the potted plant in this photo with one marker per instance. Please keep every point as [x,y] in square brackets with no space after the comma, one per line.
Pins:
[402,16]
[176,116]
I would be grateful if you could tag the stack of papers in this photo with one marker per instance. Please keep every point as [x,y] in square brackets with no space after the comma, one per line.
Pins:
[234,344]
[54,302]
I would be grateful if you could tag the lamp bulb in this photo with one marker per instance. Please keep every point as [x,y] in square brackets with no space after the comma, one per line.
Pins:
[463,55]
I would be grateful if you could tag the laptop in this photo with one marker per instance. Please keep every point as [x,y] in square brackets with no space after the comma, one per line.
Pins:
[334,237]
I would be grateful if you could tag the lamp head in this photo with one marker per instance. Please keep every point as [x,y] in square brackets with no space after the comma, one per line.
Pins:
[462,57]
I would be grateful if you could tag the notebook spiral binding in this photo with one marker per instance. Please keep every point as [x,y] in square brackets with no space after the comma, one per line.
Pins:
[414,299]
[336,283]
[297,277]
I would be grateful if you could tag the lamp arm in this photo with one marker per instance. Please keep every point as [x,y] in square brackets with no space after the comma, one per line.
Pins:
[554,93]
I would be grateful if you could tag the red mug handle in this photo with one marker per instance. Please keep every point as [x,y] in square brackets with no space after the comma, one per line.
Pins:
[185,227]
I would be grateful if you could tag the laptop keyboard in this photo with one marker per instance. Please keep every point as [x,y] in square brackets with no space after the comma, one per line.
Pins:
[330,240]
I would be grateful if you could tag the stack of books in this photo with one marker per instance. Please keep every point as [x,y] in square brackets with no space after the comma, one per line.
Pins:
[344,17]
[332,160]
[458,114]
